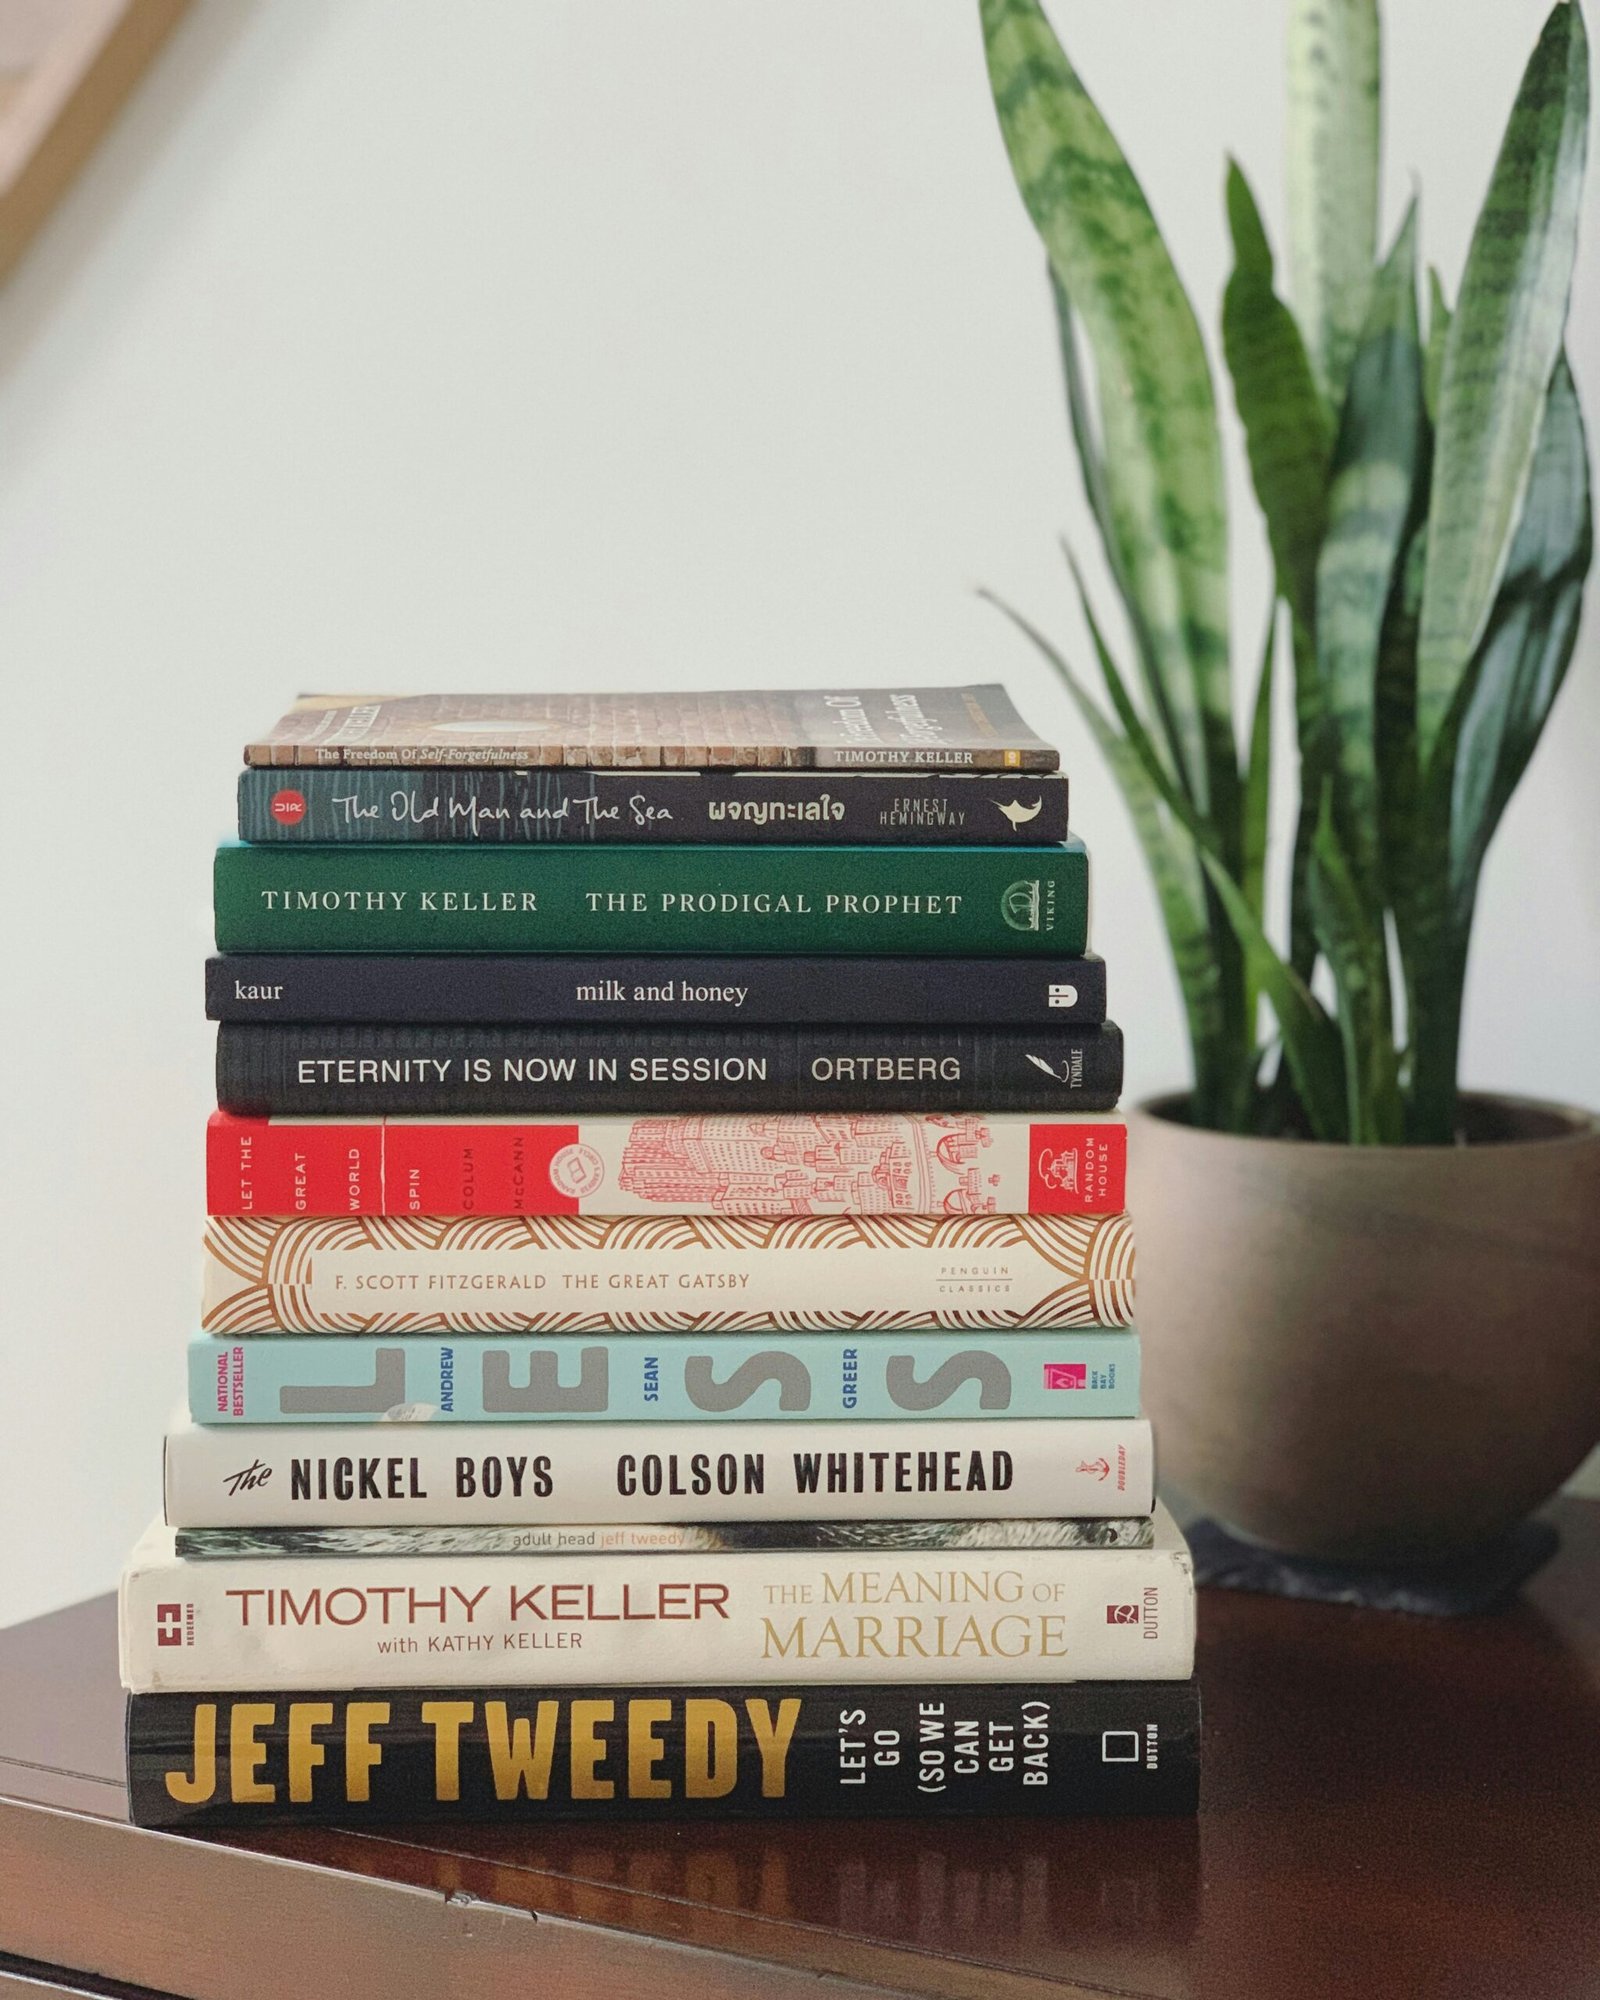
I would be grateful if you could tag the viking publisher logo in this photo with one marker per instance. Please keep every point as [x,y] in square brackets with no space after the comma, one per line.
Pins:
[1122,1614]
[288,808]
[1066,1375]
[173,1627]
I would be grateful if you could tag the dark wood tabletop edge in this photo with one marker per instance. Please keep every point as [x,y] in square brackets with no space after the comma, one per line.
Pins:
[208,1922]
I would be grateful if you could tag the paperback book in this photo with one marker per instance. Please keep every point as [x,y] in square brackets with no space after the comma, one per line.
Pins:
[849,729]
[546,803]
[665,1273]
[691,1620]
[504,1378]
[659,989]
[808,1163]
[279,1475]
[757,899]
[934,1749]
[318,1070]
[641,1538]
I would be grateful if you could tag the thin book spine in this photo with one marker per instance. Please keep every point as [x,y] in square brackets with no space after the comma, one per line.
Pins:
[285,1475]
[934,1750]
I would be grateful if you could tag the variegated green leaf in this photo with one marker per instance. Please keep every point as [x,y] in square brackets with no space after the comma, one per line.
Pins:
[1356,956]
[1376,464]
[1438,334]
[1286,425]
[1334,91]
[1256,807]
[1162,454]
[1499,357]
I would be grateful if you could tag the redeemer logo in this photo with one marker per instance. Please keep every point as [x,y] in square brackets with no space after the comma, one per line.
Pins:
[169,1624]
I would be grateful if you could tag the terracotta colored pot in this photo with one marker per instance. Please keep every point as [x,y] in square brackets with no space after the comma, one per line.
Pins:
[1364,1353]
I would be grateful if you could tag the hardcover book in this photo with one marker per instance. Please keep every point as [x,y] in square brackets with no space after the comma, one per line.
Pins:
[306,1068]
[850,900]
[282,1474]
[797,1163]
[665,1273]
[359,1379]
[760,1752]
[641,1538]
[653,1621]
[955,728]
[659,989]
[544,804]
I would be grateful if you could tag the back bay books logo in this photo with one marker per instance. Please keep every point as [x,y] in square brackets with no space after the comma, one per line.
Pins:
[288,807]
[1066,1375]
[174,1624]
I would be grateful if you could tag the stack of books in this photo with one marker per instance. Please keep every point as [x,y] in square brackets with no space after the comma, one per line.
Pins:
[666,1341]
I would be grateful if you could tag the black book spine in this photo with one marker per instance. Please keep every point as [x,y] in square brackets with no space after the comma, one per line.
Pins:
[306,1068]
[903,808]
[1045,1750]
[650,989]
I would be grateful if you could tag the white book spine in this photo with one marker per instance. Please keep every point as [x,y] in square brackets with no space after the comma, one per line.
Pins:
[1056,1615]
[285,1476]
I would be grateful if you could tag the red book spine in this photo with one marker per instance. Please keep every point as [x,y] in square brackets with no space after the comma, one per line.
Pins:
[716,1165]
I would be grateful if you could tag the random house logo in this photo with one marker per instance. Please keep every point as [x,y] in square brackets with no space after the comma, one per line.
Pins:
[288,807]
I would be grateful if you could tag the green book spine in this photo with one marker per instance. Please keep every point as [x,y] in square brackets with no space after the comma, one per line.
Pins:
[972,901]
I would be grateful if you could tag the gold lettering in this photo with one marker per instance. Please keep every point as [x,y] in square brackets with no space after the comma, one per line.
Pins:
[247,1753]
[194,1791]
[773,1737]
[587,1750]
[361,1754]
[645,1749]
[305,1753]
[446,1719]
[519,1758]
[710,1748]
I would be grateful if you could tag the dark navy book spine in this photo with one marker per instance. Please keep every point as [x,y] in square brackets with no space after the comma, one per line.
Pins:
[398,1070]
[1048,1750]
[654,988]
[903,808]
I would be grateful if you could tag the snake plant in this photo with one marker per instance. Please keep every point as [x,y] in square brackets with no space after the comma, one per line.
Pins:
[1423,480]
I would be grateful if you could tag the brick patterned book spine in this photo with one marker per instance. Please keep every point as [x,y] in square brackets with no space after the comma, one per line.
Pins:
[934,1750]
[852,1163]
[506,1378]
[656,1621]
[665,1273]
[853,900]
[544,804]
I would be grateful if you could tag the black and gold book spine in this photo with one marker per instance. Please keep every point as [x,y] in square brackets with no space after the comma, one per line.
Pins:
[1045,1750]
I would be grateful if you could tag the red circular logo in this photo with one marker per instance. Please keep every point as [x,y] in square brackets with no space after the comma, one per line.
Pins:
[288,808]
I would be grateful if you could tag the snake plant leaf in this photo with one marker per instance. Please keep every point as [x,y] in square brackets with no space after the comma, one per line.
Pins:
[1528,646]
[1438,334]
[1162,452]
[1499,357]
[1256,806]
[1334,93]
[1356,954]
[1287,431]
[1394,721]
[1377,462]
[1310,1040]
[1091,466]
[1170,856]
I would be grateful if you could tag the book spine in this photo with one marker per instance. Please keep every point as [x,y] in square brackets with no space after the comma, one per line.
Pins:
[734,1164]
[554,803]
[314,1070]
[848,900]
[282,1475]
[934,1749]
[499,1379]
[665,1273]
[1012,1615]
[637,1538]
[698,992]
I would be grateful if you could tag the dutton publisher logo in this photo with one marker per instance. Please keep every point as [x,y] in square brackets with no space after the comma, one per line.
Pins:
[1122,1614]
[1020,906]
[171,1625]
[288,807]
[1066,1375]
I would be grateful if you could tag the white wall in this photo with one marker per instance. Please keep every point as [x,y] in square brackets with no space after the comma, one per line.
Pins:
[701,342]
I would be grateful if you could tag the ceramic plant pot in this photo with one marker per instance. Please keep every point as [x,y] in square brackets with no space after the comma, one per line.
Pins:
[1364,1353]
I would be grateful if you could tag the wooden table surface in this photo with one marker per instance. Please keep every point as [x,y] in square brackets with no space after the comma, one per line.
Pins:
[1393,1806]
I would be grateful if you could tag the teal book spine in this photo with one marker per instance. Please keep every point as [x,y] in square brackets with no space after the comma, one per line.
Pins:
[632,1378]
[970,901]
